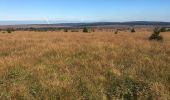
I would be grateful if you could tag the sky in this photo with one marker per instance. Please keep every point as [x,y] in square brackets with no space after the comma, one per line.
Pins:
[85,10]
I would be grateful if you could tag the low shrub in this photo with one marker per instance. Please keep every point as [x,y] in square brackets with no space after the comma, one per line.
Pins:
[10,30]
[163,29]
[74,30]
[116,32]
[65,30]
[85,30]
[133,30]
[156,35]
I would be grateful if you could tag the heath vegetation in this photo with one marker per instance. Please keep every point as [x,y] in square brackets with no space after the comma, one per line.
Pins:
[78,66]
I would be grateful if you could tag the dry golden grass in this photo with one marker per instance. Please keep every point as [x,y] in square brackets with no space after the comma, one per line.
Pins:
[76,66]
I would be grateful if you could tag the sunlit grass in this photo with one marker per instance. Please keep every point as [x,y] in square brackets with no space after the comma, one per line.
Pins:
[78,66]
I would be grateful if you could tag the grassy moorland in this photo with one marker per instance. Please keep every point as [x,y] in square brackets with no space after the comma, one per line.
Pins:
[84,66]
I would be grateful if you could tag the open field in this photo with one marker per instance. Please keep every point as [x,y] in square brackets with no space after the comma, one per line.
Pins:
[84,66]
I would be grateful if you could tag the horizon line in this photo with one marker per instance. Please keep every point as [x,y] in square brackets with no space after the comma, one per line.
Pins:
[51,22]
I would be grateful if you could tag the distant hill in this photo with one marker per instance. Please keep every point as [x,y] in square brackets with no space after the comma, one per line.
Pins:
[115,23]
[41,25]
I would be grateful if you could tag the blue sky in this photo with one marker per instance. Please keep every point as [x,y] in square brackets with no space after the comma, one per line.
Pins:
[85,10]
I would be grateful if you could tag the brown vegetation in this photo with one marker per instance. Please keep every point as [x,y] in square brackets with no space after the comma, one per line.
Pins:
[80,66]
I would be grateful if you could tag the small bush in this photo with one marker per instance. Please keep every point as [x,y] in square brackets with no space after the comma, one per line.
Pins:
[85,30]
[168,30]
[65,30]
[10,30]
[92,30]
[116,32]
[156,35]
[133,30]
[74,30]
[163,29]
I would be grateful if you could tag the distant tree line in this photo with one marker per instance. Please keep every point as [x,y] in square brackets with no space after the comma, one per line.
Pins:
[74,29]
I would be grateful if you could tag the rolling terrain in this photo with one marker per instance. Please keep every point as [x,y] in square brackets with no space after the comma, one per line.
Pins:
[98,65]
